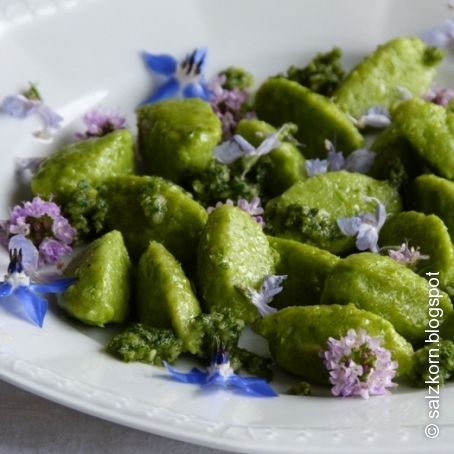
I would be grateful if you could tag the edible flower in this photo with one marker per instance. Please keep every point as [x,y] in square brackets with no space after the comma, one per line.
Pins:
[358,365]
[407,255]
[375,117]
[365,226]
[221,374]
[26,167]
[101,122]
[184,79]
[360,160]
[442,36]
[228,105]
[253,208]
[271,286]
[440,95]
[42,222]
[238,147]
[29,103]
[18,286]
[316,166]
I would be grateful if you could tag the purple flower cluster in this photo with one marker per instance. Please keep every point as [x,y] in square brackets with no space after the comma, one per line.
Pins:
[253,208]
[228,105]
[407,255]
[358,365]
[439,95]
[41,222]
[99,123]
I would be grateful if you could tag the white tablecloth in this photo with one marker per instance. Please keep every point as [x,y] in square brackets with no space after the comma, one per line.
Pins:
[30,424]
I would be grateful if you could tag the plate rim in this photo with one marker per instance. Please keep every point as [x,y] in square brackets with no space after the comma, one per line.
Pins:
[54,387]
[52,392]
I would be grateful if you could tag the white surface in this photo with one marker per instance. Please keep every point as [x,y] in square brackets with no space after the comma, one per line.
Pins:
[89,53]
[32,425]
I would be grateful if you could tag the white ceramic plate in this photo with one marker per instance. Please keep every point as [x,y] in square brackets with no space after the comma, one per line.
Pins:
[84,53]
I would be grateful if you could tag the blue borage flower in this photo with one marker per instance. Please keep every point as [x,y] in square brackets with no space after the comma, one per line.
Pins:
[184,79]
[18,285]
[360,160]
[221,374]
[261,299]
[29,103]
[365,226]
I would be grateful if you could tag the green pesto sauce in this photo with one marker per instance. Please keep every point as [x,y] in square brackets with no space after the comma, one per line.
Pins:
[236,78]
[322,74]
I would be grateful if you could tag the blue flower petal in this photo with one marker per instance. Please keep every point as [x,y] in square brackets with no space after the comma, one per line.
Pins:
[245,146]
[58,286]
[270,143]
[335,160]
[18,106]
[5,289]
[51,118]
[251,386]
[160,64]
[30,255]
[360,160]
[167,90]
[200,57]
[380,212]
[272,285]
[207,92]
[375,117]
[34,306]
[316,166]
[440,36]
[367,238]
[228,152]
[350,226]
[196,90]
[194,376]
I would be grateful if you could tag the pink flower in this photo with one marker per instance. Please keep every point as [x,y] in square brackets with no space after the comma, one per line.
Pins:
[254,208]
[99,123]
[42,222]
[227,105]
[407,255]
[439,95]
[358,365]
